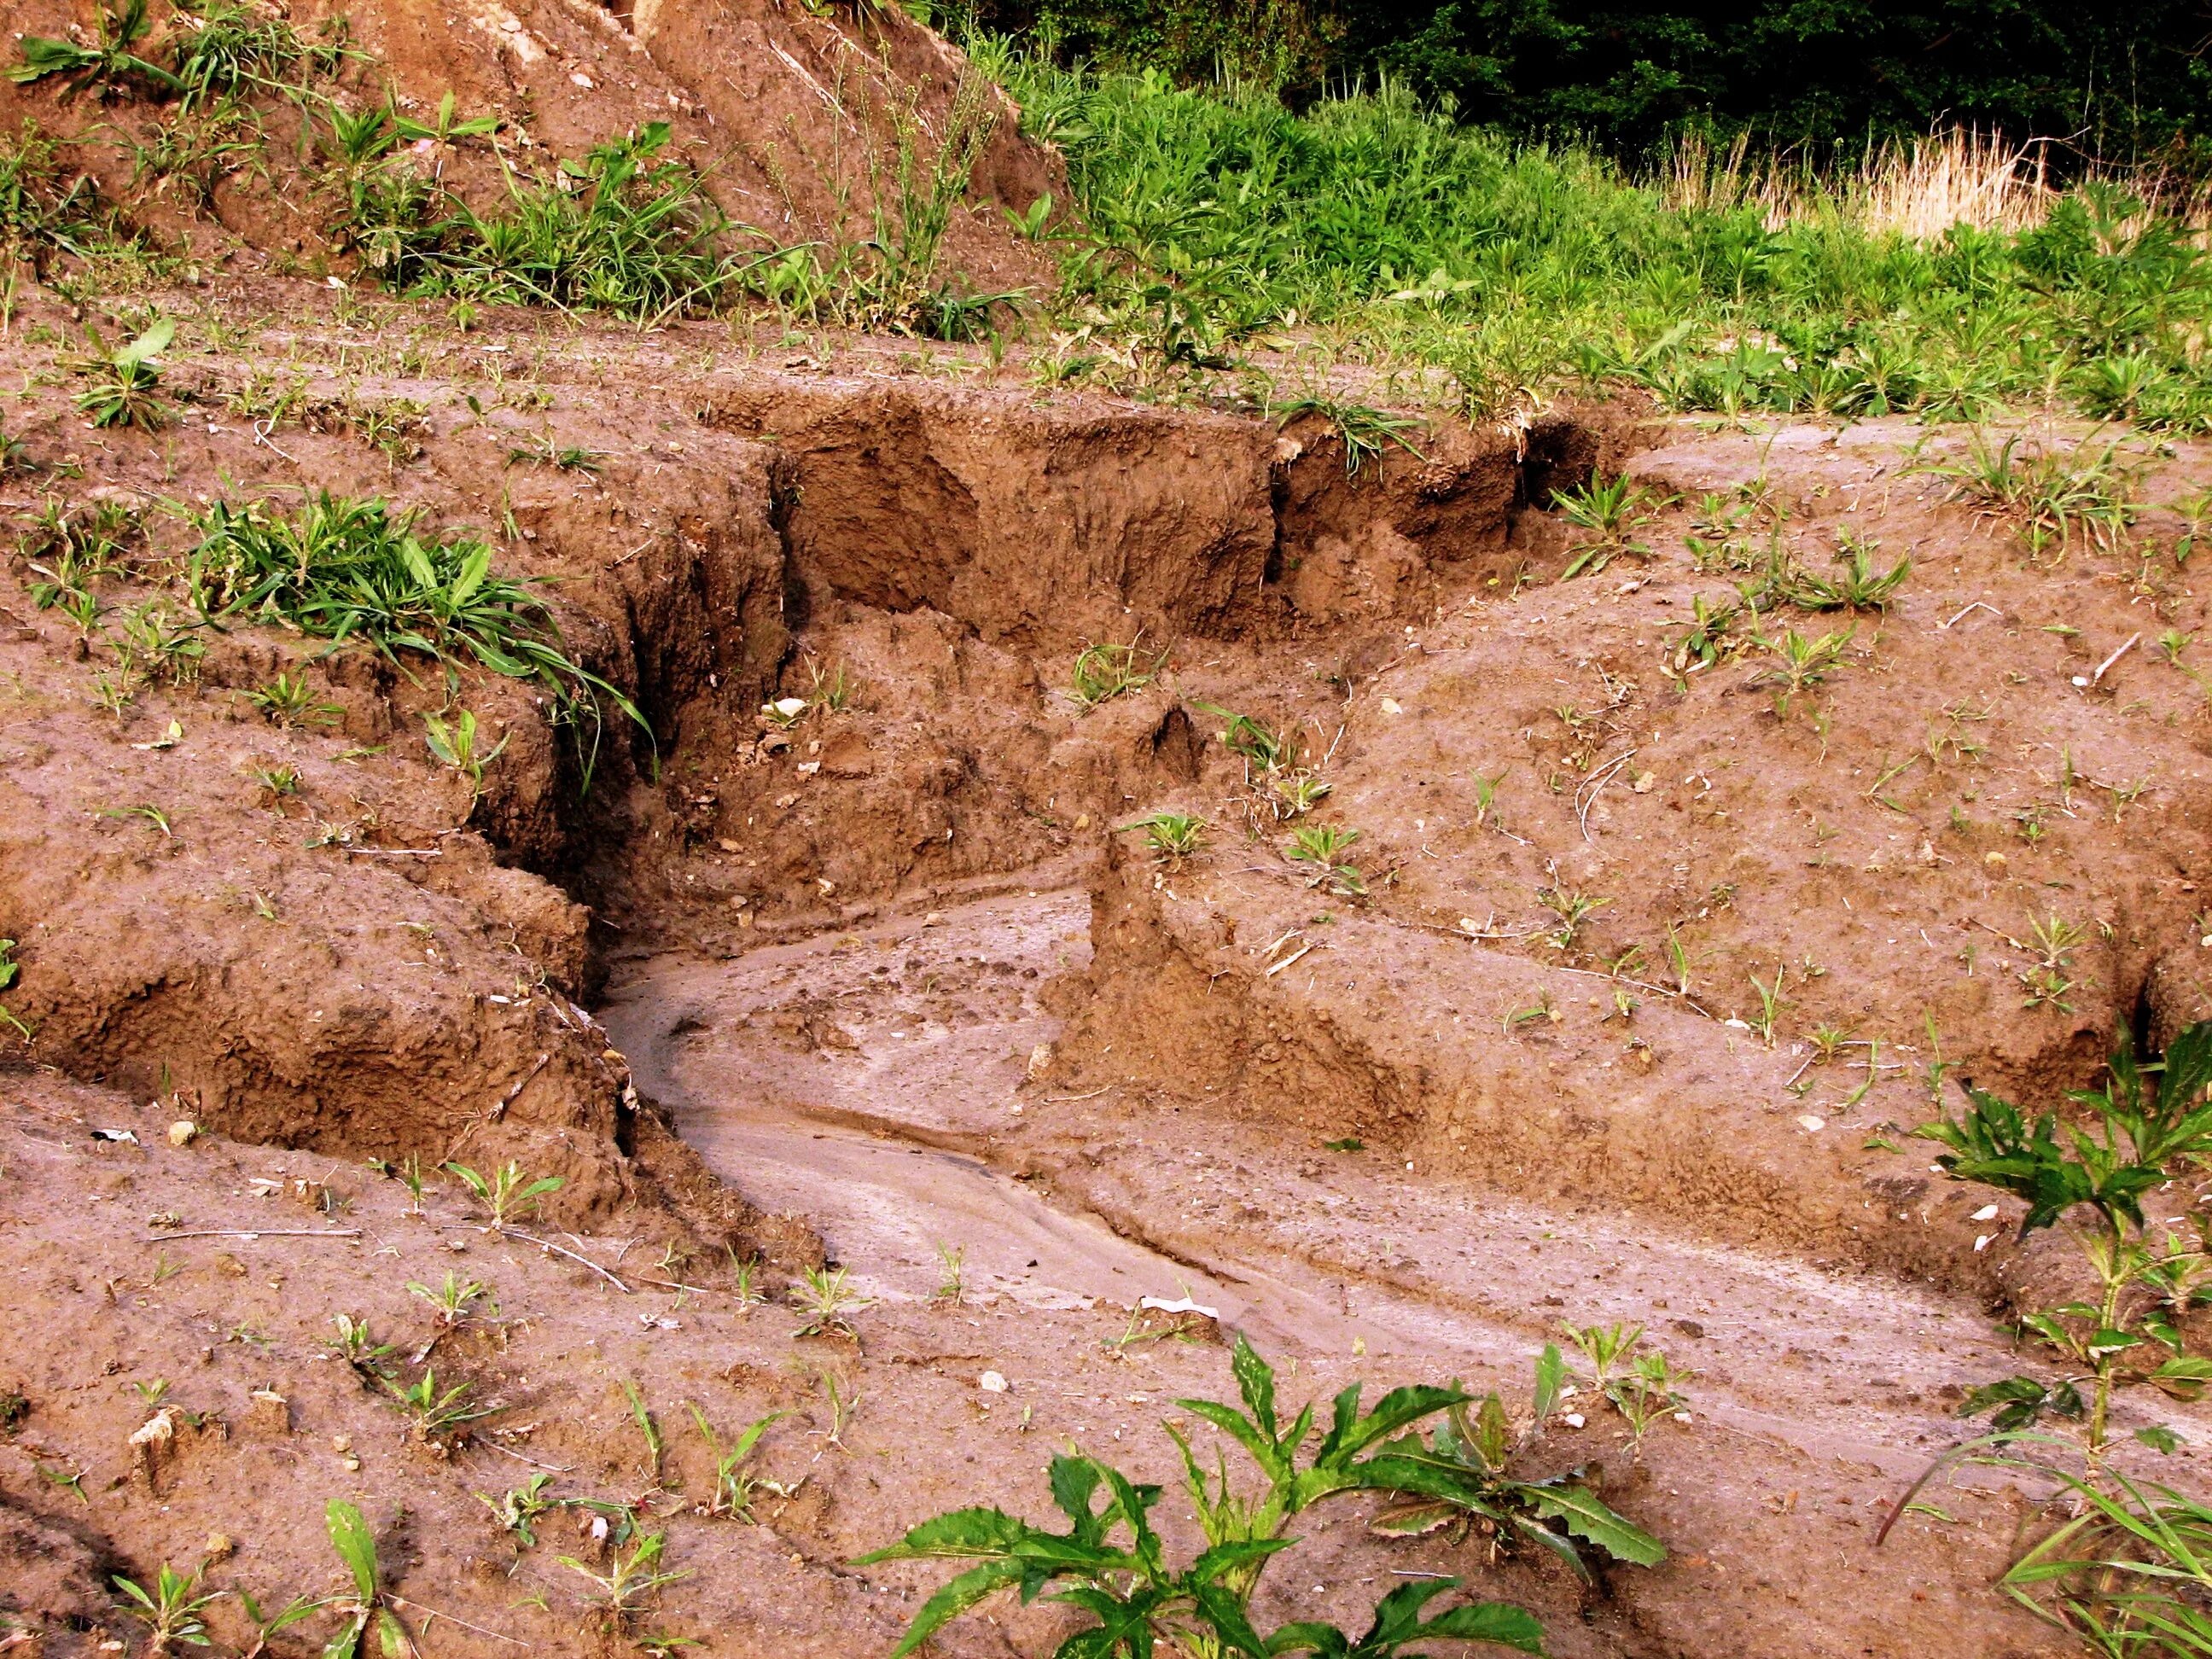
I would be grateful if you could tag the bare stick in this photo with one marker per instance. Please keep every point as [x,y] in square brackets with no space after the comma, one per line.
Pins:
[1978,604]
[561,1249]
[2098,678]
[260,1232]
[1604,775]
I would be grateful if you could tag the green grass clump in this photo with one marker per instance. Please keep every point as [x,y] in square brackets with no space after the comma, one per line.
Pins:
[341,569]
[622,229]
[1494,271]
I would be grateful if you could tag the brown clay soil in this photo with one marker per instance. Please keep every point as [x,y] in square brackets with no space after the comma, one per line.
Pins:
[894,982]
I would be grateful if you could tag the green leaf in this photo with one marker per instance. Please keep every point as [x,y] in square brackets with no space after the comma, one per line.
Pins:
[2183,1378]
[2158,1438]
[1255,1380]
[1497,1622]
[955,1599]
[959,1533]
[391,1635]
[354,1543]
[1551,1378]
[1311,1637]
[1585,1517]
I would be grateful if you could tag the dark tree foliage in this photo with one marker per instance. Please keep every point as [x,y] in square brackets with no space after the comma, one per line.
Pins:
[2123,80]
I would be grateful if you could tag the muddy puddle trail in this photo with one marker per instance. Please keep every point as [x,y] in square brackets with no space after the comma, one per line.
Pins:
[872,1080]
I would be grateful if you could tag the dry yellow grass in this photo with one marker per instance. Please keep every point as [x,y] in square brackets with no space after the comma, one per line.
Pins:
[1919,190]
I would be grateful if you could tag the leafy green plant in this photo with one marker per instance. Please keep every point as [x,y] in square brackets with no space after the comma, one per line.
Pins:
[454,745]
[453,1301]
[371,1607]
[439,1418]
[2129,1573]
[1173,837]
[2051,497]
[1801,665]
[1103,673]
[507,1194]
[171,1610]
[1607,512]
[734,1484]
[1574,910]
[1858,587]
[1468,1465]
[1365,432]
[1270,750]
[624,1588]
[1136,1601]
[827,1301]
[124,386]
[341,569]
[113,63]
[518,1509]
[10,971]
[290,700]
[648,1428]
[1298,792]
[1324,845]
[359,1349]
[2140,1131]
[543,452]
[298,1610]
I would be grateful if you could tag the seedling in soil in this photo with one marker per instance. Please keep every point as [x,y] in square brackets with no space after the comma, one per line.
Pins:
[359,1349]
[830,690]
[10,971]
[1858,587]
[518,1509]
[1270,752]
[506,1194]
[1138,1601]
[153,815]
[949,1258]
[266,1624]
[437,1417]
[170,1611]
[124,386]
[111,65]
[823,1296]
[1650,1390]
[623,1589]
[1827,1042]
[744,1289]
[544,452]
[370,1606]
[452,1301]
[289,701]
[1771,1002]
[1607,512]
[1297,794]
[1103,673]
[1573,909]
[1485,794]
[1173,837]
[734,1484]
[455,746]
[1803,663]
[656,1449]
[2051,498]
[2055,941]
[1545,1007]
[1321,846]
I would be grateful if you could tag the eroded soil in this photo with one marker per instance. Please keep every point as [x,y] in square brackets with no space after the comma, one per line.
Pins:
[893,984]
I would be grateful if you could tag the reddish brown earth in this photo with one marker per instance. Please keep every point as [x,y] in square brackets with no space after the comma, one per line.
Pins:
[894,982]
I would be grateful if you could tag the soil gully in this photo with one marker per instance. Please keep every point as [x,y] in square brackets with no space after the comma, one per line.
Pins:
[876,1080]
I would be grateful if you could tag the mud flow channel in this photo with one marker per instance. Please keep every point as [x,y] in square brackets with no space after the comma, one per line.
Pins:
[872,1080]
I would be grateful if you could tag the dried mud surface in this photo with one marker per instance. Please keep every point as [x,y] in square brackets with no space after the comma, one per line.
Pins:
[895,981]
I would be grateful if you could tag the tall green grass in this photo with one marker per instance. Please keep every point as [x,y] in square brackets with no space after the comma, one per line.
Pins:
[1388,232]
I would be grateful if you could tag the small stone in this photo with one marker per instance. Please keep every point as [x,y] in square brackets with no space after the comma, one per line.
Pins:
[729,846]
[936,919]
[1811,1124]
[218,1546]
[1573,1420]
[1082,820]
[1040,1060]
[827,885]
[183,1132]
[1995,860]
[1392,705]
[1644,783]
[991,1382]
